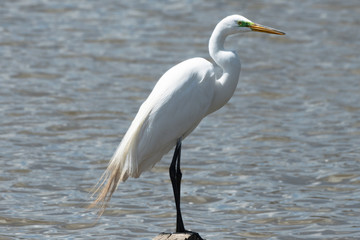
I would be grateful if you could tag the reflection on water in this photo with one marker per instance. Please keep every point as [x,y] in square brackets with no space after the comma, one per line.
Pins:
[280,161]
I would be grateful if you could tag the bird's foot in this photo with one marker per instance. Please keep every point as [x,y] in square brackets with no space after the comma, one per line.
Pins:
[193,235]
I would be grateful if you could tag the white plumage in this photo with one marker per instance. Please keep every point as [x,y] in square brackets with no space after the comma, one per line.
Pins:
[182,97]
[171,111]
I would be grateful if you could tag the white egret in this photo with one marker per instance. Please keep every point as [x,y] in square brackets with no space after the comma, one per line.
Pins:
[181,98]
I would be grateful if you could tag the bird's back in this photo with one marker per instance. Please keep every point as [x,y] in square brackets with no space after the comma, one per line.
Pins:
[176,105]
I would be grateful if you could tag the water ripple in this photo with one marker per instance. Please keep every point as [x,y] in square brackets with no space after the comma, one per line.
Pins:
[279,161]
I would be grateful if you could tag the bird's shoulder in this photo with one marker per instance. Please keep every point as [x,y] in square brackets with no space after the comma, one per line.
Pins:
[197,65]
[189,70]
[198,61]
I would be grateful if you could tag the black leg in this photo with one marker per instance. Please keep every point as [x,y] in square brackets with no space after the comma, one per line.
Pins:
[175,176]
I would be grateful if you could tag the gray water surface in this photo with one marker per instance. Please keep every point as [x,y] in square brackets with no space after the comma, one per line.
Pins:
[279,161]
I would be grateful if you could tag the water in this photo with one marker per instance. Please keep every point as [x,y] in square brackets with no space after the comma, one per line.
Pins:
[280,161]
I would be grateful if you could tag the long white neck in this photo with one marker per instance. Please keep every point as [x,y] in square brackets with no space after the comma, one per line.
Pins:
[229,61]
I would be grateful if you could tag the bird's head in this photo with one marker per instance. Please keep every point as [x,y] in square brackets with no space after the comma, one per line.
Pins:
[237,23]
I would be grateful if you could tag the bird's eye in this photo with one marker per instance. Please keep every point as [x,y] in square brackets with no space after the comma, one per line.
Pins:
[243,24]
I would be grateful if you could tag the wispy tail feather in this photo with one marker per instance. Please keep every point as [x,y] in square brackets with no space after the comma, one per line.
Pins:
[123,164]
[106,186]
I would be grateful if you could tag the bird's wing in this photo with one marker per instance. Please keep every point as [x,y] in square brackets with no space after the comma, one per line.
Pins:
[177,104]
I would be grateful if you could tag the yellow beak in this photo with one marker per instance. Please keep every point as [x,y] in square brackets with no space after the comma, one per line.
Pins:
[260,28]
